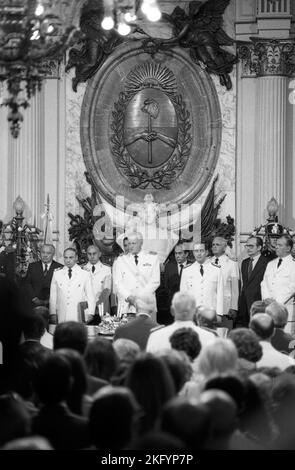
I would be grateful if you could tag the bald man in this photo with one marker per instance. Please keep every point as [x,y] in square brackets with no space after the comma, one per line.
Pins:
[136,274]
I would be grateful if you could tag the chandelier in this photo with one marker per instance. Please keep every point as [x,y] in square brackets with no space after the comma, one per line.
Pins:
[119,14]
[32,33]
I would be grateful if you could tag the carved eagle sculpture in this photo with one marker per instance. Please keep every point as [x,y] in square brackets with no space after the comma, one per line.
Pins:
[201,32]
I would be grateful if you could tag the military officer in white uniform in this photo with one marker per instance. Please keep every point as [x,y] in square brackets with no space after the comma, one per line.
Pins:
[71,285]
[136,274]
[204,280]
[279,279]
[230,274]
[101,278]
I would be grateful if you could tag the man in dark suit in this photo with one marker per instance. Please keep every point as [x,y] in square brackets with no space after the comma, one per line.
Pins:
[39,276]
[138,330]
[252,269]
[172,277]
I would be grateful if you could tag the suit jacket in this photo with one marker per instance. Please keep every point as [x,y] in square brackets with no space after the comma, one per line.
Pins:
[38,284]
[138,330]
[171,279]
[251,290]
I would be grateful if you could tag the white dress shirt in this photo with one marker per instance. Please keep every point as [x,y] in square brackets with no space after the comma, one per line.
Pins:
[230,275]
[67,293]
[207,289]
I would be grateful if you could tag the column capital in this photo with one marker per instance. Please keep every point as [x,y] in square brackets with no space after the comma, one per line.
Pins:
[267,57]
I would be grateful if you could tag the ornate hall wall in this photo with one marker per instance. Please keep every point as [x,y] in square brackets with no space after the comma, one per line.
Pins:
[256,153]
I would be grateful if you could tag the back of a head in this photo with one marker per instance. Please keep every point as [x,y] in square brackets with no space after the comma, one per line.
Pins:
[53,380]
[247,344]
[72,335]
[258,306]
[42,312]
[179,366]
[34,327]
[187,421]
[263,326]
[15,419]
[218,357]
[187,340]
[183,306]
[101,359]
[206,316]
[112,405]
[145,304]
[126,350]
[78,378]
[222,409]
[278,313]
[230,384]
[151,382]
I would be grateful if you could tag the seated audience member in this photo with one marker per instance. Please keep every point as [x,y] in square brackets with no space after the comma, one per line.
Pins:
[71,335]
[179,366]
[47,338]
[101,359]
[248,347]
[77,400]
[28,443]
[187,340]
[152,385]
[259,306]
[263,326]
[112,418]
[138,330]
[33,330]
[256,421]
[230,384]
[190,422]
[281,341]
[217,358]
[206,318]
[64,429]
[127,351]
[183,309]
[283,396]
[15,421]
[223,416]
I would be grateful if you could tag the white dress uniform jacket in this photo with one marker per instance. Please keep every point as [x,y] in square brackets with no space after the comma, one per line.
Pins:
[66,294]
[231,275]
[131,279]
[207,289]
[101,278]
[279,283]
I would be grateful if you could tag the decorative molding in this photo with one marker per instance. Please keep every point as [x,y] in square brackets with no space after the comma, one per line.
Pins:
[267,57]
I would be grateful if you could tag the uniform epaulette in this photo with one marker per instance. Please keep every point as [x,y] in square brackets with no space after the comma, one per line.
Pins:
[105,264]
[83,266]
[156,328]
[216,265]
[59,268]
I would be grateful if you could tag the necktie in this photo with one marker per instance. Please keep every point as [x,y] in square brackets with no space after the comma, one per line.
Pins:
[180,271]
[93,269]
[216,260]
[202,270]
[250,267]
[70,273]
[45,270]
[280,262]
[136,259]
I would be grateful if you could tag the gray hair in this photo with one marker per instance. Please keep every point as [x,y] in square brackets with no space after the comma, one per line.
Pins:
[183,306]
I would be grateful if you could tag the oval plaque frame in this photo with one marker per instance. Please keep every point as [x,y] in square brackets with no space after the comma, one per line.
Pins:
[198,92]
